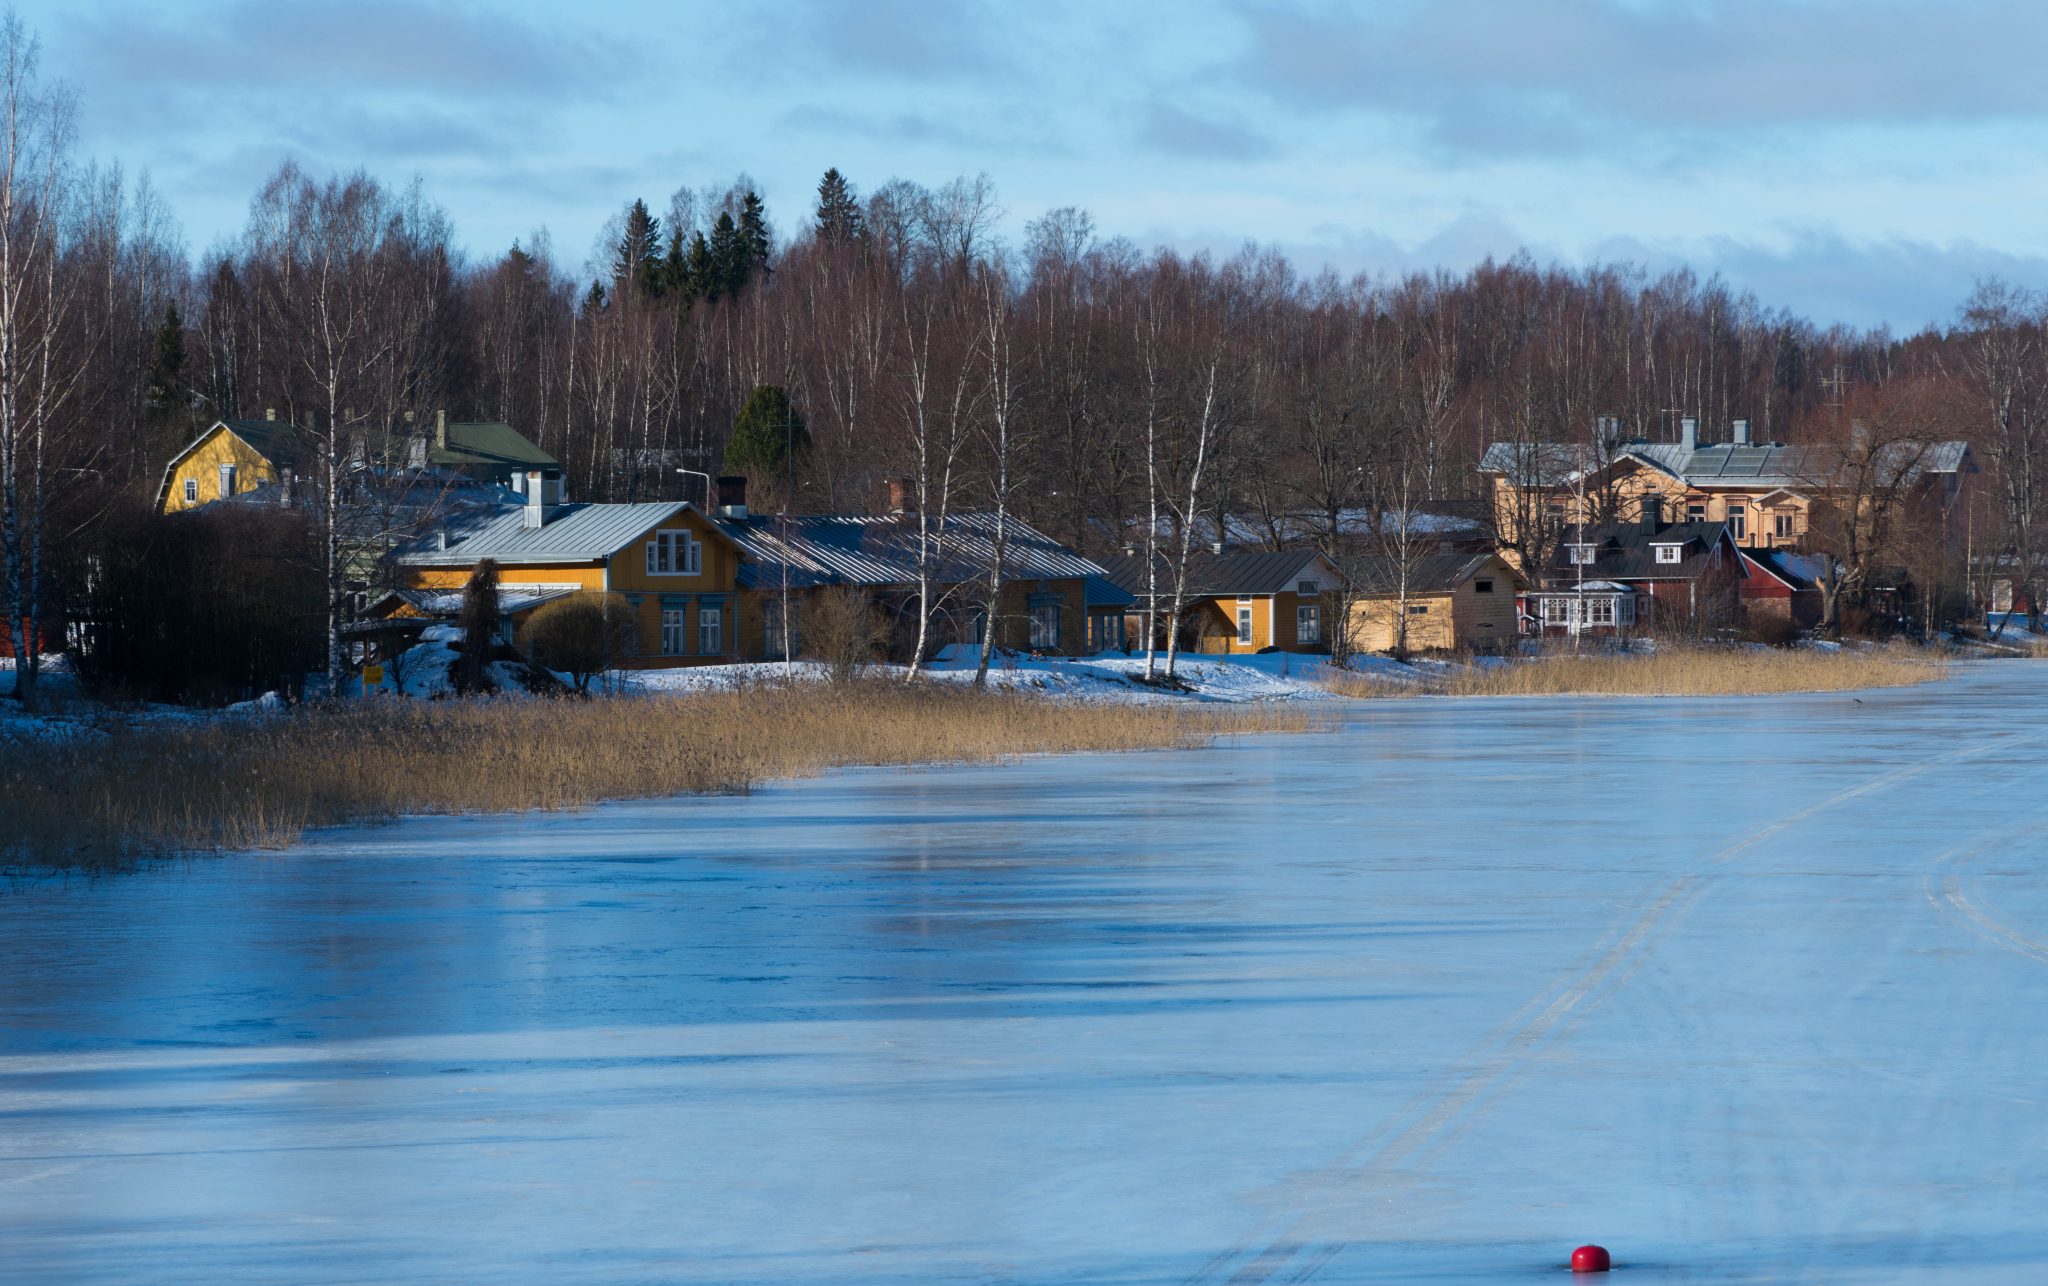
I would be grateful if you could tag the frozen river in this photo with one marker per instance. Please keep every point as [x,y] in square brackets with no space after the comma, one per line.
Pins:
[1746,990]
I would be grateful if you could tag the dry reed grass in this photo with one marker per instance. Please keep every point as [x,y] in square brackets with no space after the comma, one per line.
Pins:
[1667,672]
[234,784]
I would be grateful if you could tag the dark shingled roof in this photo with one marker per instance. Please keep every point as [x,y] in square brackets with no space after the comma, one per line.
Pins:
[1624,551]
[1433,574]
[1219,575]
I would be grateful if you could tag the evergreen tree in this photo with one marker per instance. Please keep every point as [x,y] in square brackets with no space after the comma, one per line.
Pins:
[638,259]
[765,433]
[701,269]
[479,623]
[754,232]
[167,363]
[728,258]
[838,213]
[675,268]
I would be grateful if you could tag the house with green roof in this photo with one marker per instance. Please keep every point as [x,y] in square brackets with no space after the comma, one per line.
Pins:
[238,456]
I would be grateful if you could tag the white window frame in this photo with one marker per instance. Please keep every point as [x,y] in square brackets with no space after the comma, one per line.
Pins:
[228,476]
[675,553]
[1785,523]
[1738,521]
[710,630]
[1308,624]
[191,491]
[1668,553]
[1583,555]
[1244,623]
[674,630]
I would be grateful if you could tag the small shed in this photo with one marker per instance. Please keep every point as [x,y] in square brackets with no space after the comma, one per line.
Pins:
[1451,602]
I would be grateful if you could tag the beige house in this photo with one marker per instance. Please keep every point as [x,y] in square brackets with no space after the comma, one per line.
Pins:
[1763,491]
[1452,603]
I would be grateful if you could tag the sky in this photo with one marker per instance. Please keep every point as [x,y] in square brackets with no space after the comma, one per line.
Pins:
[1856,162]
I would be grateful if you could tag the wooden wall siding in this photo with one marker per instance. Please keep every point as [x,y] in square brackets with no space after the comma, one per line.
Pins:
[720,568]
[1372,622]
[1484,622]
[203,466]
[589,575]
[1274,623]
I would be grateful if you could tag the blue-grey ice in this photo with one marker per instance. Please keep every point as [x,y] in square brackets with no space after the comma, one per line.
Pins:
[1743,989]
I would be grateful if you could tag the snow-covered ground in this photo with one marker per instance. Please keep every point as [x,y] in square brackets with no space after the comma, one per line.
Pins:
[1110,676]
[1744,989]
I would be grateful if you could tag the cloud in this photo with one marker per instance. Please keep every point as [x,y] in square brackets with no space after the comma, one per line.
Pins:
[911,39]
[1505,76]
[1169,129]
[364,45]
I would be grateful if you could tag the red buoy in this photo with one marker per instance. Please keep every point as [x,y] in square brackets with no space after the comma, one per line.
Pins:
[1590,1259]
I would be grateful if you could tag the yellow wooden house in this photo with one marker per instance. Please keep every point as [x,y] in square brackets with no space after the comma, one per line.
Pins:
[674,564]
[1450,602]
[235,457]
[1248,601]
[709,587]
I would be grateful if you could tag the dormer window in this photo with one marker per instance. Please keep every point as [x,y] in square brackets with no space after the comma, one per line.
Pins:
[1667,553]
[1582,554]
[674,553]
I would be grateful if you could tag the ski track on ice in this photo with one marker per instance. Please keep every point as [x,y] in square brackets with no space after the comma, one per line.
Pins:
[1502,1060]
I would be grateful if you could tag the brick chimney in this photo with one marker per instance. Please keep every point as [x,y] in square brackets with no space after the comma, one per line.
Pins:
[732,496]
[902,497]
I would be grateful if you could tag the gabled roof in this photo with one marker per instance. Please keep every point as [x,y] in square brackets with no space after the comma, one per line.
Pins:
[574,533]
[882,549]
[1718,464]
[1222,575]
[278,441]
[1434,574]
[1795,571]
[1625,551]
[491,443]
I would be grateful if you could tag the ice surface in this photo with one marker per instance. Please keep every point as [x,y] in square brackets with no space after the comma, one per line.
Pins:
[1745,990]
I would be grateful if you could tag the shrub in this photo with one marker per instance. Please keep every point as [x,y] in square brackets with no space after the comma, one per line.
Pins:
[479,623]
[843,630]
[584,634]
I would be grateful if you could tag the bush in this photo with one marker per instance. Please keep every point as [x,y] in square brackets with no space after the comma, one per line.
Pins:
[1770,629]
[584,634]
[843,630]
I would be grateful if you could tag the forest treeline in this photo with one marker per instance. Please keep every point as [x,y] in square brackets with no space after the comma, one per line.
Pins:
[1093,385]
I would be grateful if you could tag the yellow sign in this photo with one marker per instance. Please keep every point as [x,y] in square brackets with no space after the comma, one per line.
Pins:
[372,675]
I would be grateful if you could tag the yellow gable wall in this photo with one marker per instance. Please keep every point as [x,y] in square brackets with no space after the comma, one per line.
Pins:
[720,563]
[203,464]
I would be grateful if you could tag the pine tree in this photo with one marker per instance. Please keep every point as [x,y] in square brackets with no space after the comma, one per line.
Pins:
[675,268]
[838,213]
[765,433]
[167,364]
[479,623]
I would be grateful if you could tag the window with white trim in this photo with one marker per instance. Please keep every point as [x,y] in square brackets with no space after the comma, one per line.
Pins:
[1600,611]
[710,630]
[1557,611]
[674,553]
[191,491]
[227,480]
[1783,524]
[1308,625]
[1244,625]
[1738,521]
[1667,553]
[1581,553]
[672,631]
